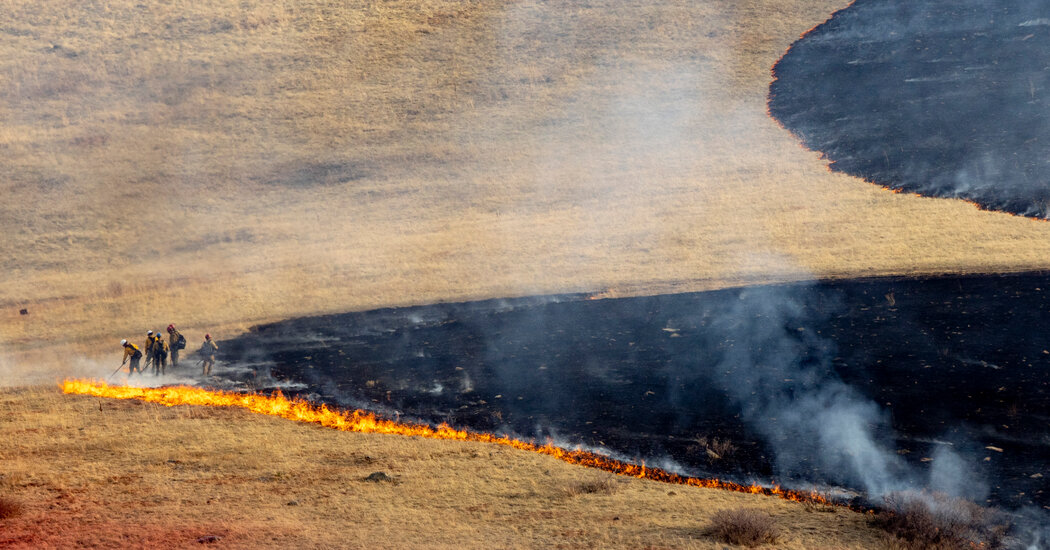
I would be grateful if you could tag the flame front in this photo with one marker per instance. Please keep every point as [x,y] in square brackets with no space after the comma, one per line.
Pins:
[367,422]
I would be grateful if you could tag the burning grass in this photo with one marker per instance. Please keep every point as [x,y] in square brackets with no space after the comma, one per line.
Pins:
[139,474]
[366,422]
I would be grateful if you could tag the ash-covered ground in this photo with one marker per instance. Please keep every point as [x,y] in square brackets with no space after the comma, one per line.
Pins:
[875,384]
[946,98]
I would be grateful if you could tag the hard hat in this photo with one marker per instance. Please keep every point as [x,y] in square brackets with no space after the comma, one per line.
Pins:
[149,333]
[171,328]
[124,342]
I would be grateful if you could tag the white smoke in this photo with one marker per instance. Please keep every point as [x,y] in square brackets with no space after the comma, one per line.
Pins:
[50,367]
[779,373]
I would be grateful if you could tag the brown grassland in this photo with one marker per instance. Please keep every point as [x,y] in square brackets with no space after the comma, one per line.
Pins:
[219,164]
[131,474]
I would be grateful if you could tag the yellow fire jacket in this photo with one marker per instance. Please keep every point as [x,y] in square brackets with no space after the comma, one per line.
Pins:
[130,350]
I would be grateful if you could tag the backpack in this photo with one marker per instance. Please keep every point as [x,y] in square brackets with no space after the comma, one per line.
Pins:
[180,342]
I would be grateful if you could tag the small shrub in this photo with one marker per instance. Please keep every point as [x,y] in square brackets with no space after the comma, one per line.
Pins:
[599,486]
[10,508]
[722,447]
[744,527]
[713,447]
[937,521]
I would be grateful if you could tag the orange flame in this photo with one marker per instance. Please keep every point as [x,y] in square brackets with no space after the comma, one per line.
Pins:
[367,422]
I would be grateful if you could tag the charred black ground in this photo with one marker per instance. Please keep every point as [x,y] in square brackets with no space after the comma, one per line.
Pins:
[946,98]
[957,363]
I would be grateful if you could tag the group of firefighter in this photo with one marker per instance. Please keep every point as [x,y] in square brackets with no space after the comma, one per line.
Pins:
[156,351]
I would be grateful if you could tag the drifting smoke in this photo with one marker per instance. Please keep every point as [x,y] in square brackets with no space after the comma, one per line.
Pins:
[49,367]
[779,372]
[942,98]
[8,367]
[780,375]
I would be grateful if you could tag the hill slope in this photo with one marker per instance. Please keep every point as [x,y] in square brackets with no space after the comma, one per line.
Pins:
[138,474]
[228,163]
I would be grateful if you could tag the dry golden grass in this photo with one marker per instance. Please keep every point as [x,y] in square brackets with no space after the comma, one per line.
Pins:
[218,164]
[131,474]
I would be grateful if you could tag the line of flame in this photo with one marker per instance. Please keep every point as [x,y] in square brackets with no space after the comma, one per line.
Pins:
[367,422]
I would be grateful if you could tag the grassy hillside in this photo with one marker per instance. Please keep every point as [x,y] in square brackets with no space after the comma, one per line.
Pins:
[219,163]
[84,471]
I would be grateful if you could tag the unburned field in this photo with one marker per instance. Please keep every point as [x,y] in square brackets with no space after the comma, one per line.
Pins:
[220,164]
[139,474]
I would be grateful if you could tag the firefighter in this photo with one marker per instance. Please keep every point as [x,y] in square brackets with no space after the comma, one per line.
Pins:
[207,353]
[132,352]
[160,354]
[148,348]
[176,342]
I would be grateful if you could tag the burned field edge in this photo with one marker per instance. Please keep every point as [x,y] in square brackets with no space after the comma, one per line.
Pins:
[941,519]
[944,99]
[300,410]
[951,361]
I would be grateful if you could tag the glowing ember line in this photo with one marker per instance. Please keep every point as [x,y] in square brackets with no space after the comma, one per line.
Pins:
[366,422]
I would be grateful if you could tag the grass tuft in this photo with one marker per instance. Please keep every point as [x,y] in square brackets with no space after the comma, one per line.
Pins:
[745,527]
[605,485]
[10,508]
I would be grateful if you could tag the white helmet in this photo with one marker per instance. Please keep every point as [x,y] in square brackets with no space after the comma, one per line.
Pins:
[149,333]
[124,342]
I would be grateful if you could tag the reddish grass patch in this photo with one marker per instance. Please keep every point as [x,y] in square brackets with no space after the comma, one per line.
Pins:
[67,532]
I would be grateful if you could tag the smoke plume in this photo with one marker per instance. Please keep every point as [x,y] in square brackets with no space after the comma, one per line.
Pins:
[779,372]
